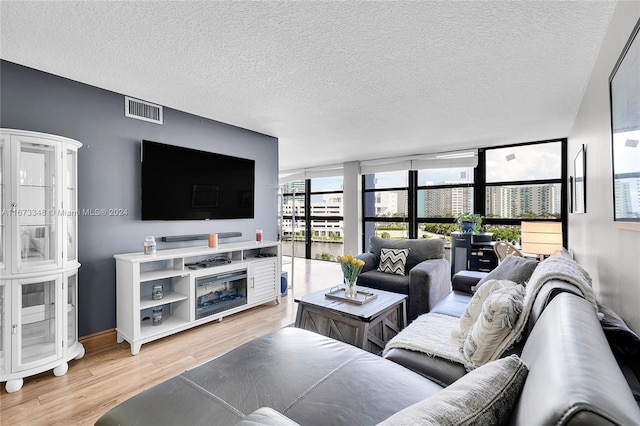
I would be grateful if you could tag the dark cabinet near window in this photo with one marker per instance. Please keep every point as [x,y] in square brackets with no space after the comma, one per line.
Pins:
[472,252]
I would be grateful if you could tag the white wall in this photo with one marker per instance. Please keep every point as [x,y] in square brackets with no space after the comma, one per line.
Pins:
[609,254]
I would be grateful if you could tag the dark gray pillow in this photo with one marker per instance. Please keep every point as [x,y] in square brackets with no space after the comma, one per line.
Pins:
[513,268]
[419,250]
[485,396]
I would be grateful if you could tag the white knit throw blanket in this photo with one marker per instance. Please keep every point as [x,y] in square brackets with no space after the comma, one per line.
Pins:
[432,334]
[435,334]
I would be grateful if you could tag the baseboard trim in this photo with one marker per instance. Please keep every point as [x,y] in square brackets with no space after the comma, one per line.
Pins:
[99,340]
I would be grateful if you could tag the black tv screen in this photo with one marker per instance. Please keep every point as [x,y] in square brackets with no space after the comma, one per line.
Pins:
[187,184]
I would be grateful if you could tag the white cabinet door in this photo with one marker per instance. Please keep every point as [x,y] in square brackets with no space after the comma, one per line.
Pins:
[263,279]
[36,324]
[35,196]
[5,328]
[5,204]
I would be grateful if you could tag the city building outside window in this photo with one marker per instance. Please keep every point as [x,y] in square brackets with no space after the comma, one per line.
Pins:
[523,182]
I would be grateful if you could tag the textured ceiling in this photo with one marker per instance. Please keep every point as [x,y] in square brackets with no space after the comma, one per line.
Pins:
[334,81]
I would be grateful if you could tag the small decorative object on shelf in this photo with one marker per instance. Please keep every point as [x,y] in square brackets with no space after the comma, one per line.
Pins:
[150,245]
[213,240]
[351,268]
[157,292]
[258,235]
[157,315]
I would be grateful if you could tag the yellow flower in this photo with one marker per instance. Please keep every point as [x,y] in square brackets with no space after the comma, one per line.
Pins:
[351,266]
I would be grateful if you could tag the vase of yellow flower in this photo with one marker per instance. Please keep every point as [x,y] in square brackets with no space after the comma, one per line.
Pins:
[351,268]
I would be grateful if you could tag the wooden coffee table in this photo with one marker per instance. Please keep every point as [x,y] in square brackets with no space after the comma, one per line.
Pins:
[368,326]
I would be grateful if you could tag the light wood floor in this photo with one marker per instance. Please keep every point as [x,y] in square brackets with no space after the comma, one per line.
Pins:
[107,376]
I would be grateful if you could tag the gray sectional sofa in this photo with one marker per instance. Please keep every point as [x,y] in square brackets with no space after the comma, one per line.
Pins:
[565,374]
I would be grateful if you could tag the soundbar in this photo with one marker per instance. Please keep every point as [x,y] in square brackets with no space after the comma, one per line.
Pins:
[177,238]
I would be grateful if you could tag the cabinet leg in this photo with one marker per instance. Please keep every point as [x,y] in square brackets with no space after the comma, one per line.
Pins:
[119,338]
[80,354]
[135,348]
[13,385]
[61,370]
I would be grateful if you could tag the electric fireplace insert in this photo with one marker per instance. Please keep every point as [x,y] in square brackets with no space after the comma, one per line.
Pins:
[220,292]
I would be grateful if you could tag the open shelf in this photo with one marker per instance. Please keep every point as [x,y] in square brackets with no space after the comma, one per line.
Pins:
[159,274]
[169,322]
[169,297]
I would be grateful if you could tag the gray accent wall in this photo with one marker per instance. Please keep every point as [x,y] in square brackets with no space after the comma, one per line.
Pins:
[109,173]
[608,253]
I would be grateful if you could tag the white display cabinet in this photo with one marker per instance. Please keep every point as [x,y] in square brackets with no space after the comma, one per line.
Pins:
[248,276]
[38,255]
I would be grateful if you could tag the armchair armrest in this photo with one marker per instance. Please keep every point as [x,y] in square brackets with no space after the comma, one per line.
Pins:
[429,282]
[370,261]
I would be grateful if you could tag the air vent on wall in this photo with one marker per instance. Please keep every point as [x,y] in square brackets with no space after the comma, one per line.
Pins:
[141,110]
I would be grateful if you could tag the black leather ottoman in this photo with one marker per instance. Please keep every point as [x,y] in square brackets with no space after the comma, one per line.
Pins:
[467,280]
[312,379]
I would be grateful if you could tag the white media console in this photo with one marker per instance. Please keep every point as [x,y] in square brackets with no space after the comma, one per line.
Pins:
[249,275]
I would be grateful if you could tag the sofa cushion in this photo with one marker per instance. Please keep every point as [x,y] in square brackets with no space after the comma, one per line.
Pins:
[512,268]
[494,324]
[384,281]
[420,250]
[393,261]
[485,396]
[455,303]
[474,308]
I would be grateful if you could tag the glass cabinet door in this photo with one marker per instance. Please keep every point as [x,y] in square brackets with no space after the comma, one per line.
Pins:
[36,324]
[70,207]
[3,324]
[6,209]
[71,309]
[36,205]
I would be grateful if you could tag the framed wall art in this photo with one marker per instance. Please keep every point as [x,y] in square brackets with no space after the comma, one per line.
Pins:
[624,90]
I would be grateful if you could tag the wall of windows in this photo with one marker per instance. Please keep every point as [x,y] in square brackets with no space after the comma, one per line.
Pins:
[386,205]
[523,182]
[311,213]
[510,184]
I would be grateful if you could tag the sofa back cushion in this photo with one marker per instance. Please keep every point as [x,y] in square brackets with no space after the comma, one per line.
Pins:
[573,376]
[513,268]
[419,250]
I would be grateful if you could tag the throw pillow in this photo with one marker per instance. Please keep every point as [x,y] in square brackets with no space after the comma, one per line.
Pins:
[474,307]
[419,249]
[496,322]
[393,261]
[513,268]
[485,396]
[266,416]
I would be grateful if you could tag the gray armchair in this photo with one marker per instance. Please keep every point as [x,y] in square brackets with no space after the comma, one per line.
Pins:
[427,276]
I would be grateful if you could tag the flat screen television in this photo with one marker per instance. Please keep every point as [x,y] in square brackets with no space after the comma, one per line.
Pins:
[188,184]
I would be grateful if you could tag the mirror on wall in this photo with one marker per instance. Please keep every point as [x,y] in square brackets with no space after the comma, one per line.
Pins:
[624,85]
